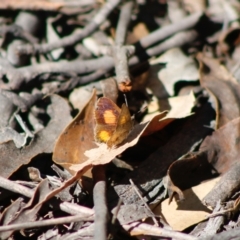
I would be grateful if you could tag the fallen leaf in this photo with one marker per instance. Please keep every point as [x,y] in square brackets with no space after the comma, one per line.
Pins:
[222,147]
[102,154]
[178,67]
[76,138]
[223,86]
[218,154]
[180,215]
[178,107]
[76,149]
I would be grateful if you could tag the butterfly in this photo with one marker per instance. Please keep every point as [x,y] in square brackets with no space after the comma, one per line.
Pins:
[113,124]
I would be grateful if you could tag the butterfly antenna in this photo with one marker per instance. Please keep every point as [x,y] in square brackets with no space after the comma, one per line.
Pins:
[125,98]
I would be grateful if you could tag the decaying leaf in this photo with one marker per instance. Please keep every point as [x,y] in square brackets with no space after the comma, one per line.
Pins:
[76,138]
[178,67]
[76,149]
[182,214]
[178,107]
[218,154]
[222,147]
[223,86]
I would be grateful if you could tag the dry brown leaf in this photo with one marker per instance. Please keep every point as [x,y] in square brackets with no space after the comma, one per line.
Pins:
[179,107]
[222,148]
[223,86]
[75,152]
[183,214]
[76,138]
[218,152]
[178,67]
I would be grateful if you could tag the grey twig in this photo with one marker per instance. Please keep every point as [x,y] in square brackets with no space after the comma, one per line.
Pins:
[150,230]
[20,101]
[44,223]
[100,203]
[18,32]
[124,19]
[27,74]
[97,67]
[120,52]
[73,39]
[67,207]
[24,126]
[178,40]
[169,30]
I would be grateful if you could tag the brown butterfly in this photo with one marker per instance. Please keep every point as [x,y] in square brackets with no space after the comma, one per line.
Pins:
[112,123]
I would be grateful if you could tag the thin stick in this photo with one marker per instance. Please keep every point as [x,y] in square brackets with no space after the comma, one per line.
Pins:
[137,228]
[100,203]
[100,17]
[169,30]
[43,223]
[67,207]
[124,19]
[120,52]
[14,187]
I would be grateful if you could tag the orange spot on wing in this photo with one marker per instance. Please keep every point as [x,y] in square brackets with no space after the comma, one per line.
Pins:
[104,136]
[109,117]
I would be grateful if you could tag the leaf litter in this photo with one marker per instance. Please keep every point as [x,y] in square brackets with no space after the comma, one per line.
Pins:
[173,170]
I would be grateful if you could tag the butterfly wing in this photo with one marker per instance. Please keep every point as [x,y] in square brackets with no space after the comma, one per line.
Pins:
[124,126]
[106,115]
